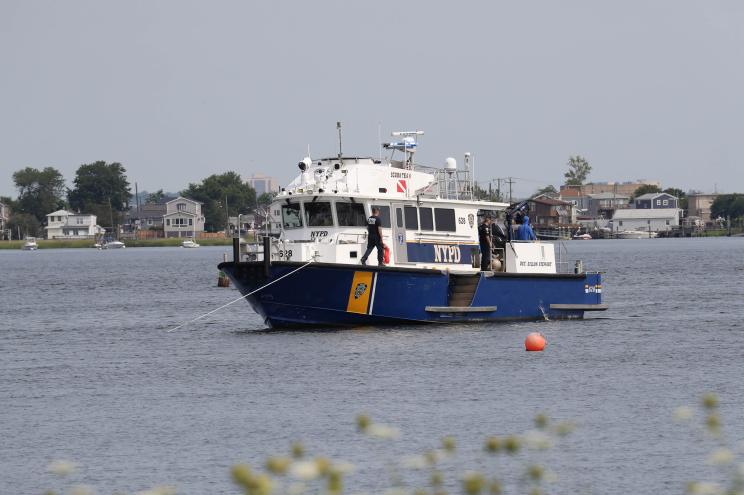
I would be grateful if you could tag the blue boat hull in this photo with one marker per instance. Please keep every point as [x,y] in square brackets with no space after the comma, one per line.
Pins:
[323,294]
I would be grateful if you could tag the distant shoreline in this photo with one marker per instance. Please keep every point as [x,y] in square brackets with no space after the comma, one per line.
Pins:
[130,243]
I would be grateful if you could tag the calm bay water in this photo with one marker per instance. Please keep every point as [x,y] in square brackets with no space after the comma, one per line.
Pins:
[88,372]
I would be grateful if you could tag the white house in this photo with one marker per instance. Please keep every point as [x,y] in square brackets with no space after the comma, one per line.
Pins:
[4,217]
[63,224]
[183,218]
[645,219]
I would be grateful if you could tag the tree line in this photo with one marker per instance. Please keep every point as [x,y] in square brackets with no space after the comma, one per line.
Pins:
[103,189]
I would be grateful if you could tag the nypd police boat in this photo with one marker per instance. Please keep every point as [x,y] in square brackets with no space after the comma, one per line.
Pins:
[306,268]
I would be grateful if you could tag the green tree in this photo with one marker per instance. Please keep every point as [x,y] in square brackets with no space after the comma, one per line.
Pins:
[101,189]
[100,183]
[155,197]
[644,189]
[728,206]
[215,191]
[578,170]
[23,225]
[265,199]
[679,194]
[549,189]
[40,192]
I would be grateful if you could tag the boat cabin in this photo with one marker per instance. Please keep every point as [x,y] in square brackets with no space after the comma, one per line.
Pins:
[429,217]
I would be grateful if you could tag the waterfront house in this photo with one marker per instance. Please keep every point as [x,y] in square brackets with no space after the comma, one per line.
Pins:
[4,217]
[548,212]
[575,196]
[605,204]
[656,201]
[645,219]
[620,188]
[183,217]
[63,224]
[698,205]
[148,216]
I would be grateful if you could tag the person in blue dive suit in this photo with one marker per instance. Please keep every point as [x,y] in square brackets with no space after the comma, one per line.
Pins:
[524,232]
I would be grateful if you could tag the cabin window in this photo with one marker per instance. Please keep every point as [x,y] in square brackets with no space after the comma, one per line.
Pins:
[399,217]
[351,215]
[318,214]
[291,218]
[445,218]
[427,219]
[384,215]
[411,217]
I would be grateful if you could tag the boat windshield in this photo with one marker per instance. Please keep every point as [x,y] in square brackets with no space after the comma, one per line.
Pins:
[291,218]
[351,215]
[318,214]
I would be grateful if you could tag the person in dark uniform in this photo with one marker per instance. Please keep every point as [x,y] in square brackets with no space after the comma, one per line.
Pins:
[486,243]
[374,238]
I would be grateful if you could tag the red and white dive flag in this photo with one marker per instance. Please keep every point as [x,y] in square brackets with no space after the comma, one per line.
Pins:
[402,185]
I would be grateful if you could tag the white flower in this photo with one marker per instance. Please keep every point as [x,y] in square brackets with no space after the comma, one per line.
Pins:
[683,413]
[704,488]
[305,470]
[62,467]
[383,431]
[537,440]
[720,457]
[551,476]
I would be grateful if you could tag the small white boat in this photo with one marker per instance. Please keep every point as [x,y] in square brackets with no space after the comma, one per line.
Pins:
[582,237]
[635,234]
[189,243]
[114,245]
[30,244]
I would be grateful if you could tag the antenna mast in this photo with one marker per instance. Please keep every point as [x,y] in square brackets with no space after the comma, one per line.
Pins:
[338,126]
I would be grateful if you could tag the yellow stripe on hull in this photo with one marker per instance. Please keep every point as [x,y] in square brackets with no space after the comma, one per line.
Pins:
[361,288]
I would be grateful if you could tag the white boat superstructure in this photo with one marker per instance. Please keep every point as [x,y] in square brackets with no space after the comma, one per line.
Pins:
[113,245]
[429,215]
[190,243]
[635,234]
[30,244]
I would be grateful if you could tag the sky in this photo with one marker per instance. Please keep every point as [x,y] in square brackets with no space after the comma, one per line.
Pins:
[179,90]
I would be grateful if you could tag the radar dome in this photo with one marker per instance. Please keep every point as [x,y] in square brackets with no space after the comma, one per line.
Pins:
[450,164]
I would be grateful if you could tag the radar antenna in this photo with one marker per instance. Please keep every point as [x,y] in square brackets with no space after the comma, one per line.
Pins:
[407,145]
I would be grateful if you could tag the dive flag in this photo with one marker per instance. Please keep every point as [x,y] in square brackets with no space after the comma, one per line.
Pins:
[402,186]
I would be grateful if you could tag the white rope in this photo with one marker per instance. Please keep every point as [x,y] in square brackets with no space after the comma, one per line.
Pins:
[240,298]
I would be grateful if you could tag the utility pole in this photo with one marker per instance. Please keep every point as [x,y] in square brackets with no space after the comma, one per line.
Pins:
[510,181]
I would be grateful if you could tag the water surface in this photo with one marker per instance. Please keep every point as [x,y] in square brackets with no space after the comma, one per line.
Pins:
[90,373]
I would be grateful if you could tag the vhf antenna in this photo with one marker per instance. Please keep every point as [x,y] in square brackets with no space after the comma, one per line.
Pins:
[338,126]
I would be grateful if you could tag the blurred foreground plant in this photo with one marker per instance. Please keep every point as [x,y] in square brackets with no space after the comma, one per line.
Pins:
[722,456]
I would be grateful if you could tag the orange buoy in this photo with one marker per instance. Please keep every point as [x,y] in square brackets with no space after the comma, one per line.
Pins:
[535,342]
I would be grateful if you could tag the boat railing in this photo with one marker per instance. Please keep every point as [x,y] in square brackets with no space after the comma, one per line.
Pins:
[448,184]
[349,238]
[562,264]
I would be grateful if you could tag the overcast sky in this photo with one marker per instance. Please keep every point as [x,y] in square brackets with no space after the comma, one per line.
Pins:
[178,90]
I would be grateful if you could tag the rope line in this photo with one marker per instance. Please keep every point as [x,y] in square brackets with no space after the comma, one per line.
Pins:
[240,298]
